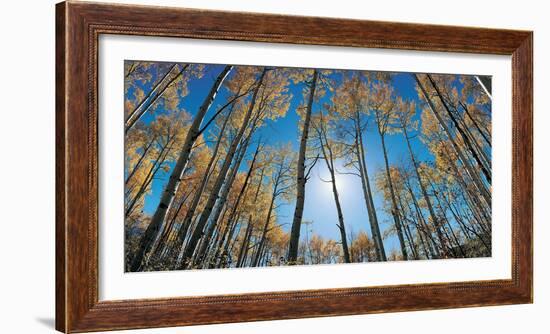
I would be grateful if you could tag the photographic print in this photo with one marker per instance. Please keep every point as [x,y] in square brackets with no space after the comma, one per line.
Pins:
[235,166]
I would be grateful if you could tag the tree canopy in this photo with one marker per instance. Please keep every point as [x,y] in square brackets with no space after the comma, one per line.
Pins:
[248,166]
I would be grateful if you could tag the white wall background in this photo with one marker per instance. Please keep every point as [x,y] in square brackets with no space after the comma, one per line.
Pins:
[27,145]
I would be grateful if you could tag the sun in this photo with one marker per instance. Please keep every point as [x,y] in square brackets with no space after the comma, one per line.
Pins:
[340,181]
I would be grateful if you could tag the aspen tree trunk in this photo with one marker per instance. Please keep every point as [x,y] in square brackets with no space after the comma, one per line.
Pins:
[475,145]
[210,250]
[137,114]
[131,69]
[230,241]
[451,230]
[175,178]
[473,216]
[370,199]
[365,183]
[474,206]
[301,179]
[395,210]
[367,194]
[235,207]
[243,251]
[419,233]
[249,227]
[262,253]
[150,175]
[197,233]
[444,213]
[471,198]
[218,246]
[482,154]
[256,258]
[422,222]
[478,216]
[476,125]
[140,160]
[132,114]
[407,230]
[207,236]
[329,160]
[186,222]
[431,210]
[269,212]
[164,237]
[465,138]
[465,229]
[222,193]
[412,244]
[341,225]
[213,221]
[457,218]
[221,232]
[477,180]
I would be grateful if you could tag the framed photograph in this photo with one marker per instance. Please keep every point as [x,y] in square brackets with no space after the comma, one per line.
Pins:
[221,166]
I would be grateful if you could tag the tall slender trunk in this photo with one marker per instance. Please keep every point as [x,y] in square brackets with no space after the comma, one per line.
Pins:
[220,203]
[476,146]
[422,222]
[443,212]
[431,210]
[224,192]
[261,253]
[209,254]
[133,67]
[265,229]
[149,176]
[471,198]
[175,178]
[418,226]
[207,237]
[465,229]
[476,125]
[475,177]
[465,138]
[243,251]
[217,258]
[395,209]
[329,160]
[466,130]
[460,220]
[186,222]
[408,234]
[197,233]
[151,92]
[249,227]
[164,237]
[235,227]
[367,193]
[301,179]
[139,112]
[341,225]
[140,160]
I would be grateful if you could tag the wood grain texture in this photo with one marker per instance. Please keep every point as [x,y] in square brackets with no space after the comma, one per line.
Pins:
[60,226]
[78,26]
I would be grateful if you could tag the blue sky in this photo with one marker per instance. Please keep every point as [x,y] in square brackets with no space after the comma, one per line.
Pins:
[319,204]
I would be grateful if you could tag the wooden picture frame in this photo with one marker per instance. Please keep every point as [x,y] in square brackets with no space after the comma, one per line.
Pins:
[78,26]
